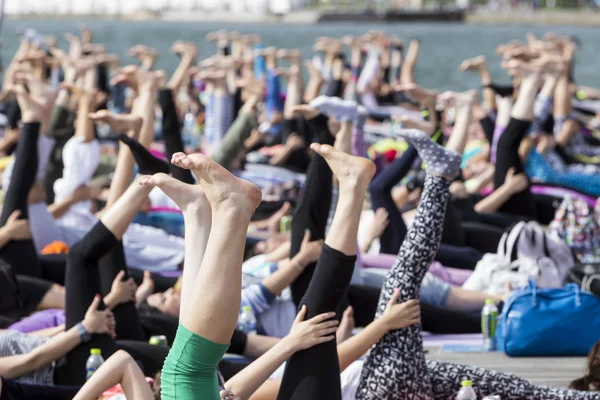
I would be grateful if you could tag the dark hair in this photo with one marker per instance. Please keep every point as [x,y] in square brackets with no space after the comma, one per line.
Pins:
[591,380]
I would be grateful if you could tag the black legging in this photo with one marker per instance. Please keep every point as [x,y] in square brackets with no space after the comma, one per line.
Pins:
[315,373]
[87,268]
[22,255]
[313,205]
[171,130]
[508,157]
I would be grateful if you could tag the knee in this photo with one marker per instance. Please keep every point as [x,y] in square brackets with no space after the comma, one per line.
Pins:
[122,357]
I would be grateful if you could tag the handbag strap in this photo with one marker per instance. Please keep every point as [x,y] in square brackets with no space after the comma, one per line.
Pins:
[511,241]
[586,282]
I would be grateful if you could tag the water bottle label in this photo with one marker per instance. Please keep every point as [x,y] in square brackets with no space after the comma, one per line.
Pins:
[489,323]
[89,372]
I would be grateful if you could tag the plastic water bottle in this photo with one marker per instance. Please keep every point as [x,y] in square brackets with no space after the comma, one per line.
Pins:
[489,320]
[466,392]
[94,362]
[247,320]
[188,134]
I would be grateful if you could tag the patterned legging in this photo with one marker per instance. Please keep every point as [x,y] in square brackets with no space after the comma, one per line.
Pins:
[395,368]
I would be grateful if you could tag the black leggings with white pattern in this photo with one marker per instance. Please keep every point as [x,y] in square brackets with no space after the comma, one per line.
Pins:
[395,368]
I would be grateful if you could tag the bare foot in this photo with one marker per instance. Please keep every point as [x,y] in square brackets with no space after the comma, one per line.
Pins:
[409,123]
[478,64]
[136,78]
[422,95]
[353,173]
[223,190]
[189,198]
[459,99]
[185,50]
[523,69]
[290,55]
[144,54]
[346,326]
[127,124]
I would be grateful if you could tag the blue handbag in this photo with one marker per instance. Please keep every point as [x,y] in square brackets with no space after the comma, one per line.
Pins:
[549,322]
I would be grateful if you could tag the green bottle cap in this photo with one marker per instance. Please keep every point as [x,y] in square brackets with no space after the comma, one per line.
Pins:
[246,309]
[466,383]
[96,352]
[490,301]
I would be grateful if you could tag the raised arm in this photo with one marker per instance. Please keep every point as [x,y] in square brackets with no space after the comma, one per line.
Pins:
[304,334]
[95,322]
[289,270]
[512,185]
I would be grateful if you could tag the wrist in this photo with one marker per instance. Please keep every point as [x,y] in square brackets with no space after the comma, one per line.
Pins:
[6,232]
[87,325]
[111,300]
[288,346]
[382,326]
[299,261]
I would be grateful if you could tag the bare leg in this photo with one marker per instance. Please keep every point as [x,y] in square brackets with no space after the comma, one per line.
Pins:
[194,206]
[217,286]
[130,125]
[119,216]
[407,73]
[479,65]
[354,175]
[119,368]
[464,102]
[54,298]
[523,107]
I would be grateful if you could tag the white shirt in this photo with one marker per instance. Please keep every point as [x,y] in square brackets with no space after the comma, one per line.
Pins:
[80,161]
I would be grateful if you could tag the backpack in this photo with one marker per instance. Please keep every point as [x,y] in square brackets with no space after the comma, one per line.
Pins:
[577,225]
[10,299]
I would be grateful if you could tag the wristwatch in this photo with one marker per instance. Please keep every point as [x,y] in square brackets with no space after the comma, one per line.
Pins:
[83,333]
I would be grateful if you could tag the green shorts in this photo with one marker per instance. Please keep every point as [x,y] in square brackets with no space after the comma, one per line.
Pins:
[190,369]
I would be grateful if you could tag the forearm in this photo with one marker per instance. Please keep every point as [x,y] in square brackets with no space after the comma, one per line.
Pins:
[179,74]
[282,156]
[55,349]
[280,253]
[355,347]
[84,127]
[6,143]
[312,88]
[247,381]
[288,271]
[482,181]
[57,210]
[366,245]
[257,345]
[144,108]
[49,332]
[467,301]
[5,237]
[495,200]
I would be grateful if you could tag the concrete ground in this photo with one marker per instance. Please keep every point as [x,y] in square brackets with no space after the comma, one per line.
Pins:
[541,371]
